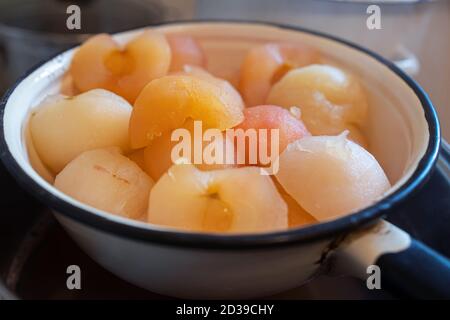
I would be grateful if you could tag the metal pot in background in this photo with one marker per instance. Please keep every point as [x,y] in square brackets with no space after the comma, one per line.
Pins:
[31,31]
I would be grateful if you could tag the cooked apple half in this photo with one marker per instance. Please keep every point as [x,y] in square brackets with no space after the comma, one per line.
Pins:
[330,176]
[62,127]
[101,62]
[107,180]
[229,200]
[166,103]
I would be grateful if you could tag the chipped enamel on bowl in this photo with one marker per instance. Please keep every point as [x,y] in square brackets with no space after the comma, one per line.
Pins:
[403,135]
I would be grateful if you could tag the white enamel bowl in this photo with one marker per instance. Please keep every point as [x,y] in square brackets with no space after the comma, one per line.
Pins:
[403,134]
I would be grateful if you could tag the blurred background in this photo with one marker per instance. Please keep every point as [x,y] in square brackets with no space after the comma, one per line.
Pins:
[414,33]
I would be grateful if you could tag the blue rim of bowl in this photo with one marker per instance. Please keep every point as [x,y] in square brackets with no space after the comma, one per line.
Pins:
[310,233]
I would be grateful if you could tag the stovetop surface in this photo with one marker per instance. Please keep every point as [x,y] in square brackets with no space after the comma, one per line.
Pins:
[35,251]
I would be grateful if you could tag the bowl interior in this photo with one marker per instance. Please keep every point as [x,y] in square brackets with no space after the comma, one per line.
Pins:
[397,130]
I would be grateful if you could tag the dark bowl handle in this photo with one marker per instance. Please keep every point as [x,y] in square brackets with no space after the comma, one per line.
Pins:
[407,267]
[418,272]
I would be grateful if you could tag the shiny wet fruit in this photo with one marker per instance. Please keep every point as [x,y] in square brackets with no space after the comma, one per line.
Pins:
[265,118]
[166,103]
[230,200]
[185,51]
[101,62]
[263,66]
[63,127]
[158,157]
[107,180]
[330,99]
[330,176]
